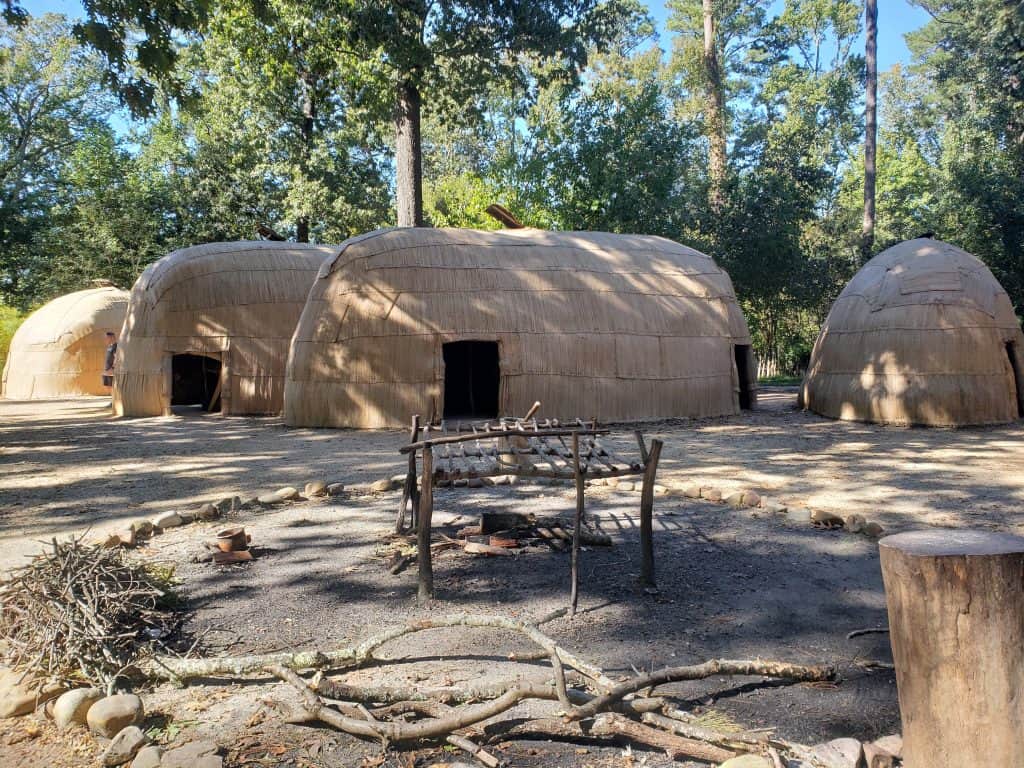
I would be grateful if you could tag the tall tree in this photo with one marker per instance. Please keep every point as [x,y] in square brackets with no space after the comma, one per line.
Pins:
[50,98]
[870,125]
[715,110]
[445,56]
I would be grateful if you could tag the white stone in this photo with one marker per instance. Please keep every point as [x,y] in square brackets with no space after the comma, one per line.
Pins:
[20,697]
[747,761]
[711,494]
[855,523]
[125,744]
[167,520]
[692,492]
[72,707]
[288,493]
[891,744]
[148,757]
[751,499]
[840,753]
[315,488]
[190,755]
[208,512]
[383,485]
[735,499]
[110,714]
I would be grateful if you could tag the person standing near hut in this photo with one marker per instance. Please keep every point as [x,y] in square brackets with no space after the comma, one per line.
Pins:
[108,360]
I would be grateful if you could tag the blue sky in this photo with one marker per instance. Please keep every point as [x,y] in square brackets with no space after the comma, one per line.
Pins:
[895,18]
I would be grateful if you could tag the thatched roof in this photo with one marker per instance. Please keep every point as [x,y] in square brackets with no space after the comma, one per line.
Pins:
[59,349]
[919,336]
[235,302]
[619,327]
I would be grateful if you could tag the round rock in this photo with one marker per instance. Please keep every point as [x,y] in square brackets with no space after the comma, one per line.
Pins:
[126,743]
[315,488]
[148,757]
[73,706]
[112,713]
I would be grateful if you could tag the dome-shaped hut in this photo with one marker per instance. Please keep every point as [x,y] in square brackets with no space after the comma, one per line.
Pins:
[59,349]
[470,324]
[923,334]
[210,325]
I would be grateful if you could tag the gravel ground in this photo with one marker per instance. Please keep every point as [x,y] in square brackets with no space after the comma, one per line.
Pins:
[733,583]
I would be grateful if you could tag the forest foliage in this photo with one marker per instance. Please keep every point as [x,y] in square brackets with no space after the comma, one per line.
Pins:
[281,113]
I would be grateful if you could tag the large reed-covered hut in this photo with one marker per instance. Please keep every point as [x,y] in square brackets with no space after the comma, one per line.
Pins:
[923,334]
[210,325]
[59,349]
[470,324]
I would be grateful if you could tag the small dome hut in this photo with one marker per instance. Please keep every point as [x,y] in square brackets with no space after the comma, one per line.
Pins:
[457,323]
[59,349]
[923,334]
[210,325]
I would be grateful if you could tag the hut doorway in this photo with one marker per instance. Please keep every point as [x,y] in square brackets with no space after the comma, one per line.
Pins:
[195,380]
[472,378]
[1018,375]
[744,357]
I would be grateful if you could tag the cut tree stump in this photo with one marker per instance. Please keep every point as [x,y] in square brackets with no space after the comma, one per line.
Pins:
[956,620]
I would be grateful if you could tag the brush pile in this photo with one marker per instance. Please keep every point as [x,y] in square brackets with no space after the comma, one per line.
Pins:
[79,611]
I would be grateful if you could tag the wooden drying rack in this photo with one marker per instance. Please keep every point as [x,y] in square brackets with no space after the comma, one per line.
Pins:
[525,447]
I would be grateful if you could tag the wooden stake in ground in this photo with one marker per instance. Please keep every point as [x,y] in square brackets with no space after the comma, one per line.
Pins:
[410,494]
[577,524]
[647,515]
[426,512]
[956,621]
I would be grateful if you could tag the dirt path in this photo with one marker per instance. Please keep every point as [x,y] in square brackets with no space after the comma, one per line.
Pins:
[67,464]
[734,583]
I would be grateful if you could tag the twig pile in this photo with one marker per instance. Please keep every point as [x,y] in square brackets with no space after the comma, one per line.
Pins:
[80,611]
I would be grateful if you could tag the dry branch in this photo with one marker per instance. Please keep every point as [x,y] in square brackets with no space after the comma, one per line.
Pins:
[614,724]
[170,668]
[755,667]
[80,611]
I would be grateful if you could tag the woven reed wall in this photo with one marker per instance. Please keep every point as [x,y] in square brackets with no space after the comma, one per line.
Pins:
[236,302]
[617,327]
[918,337]
[59,349]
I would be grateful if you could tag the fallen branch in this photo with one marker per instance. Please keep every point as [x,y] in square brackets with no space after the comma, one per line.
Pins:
[753,667]
[741,740]
[479,753]
[172,668]
[612,723]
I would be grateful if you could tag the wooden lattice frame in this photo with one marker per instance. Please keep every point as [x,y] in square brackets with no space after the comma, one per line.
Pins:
[522,447]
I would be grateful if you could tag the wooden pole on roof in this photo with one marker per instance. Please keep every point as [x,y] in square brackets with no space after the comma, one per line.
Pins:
[504,215]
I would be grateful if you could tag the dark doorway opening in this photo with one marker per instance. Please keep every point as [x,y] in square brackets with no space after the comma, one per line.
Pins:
[472,376]
[195,380]
[1018,376]
[744,363]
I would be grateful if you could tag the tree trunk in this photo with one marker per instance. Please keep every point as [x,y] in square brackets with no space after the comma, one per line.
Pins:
[714,111]
[408,157]
[870,126]
[956,621]
[308,116]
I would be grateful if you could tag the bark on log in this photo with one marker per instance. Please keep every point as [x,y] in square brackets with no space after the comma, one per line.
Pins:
[956,621]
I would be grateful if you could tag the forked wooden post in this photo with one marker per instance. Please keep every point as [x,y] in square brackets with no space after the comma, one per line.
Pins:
[409,492]
[956,622]
[578,473]
[426,511]
[647,515]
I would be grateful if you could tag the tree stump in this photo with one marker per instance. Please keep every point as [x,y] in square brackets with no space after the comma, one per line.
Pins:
[956,620]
